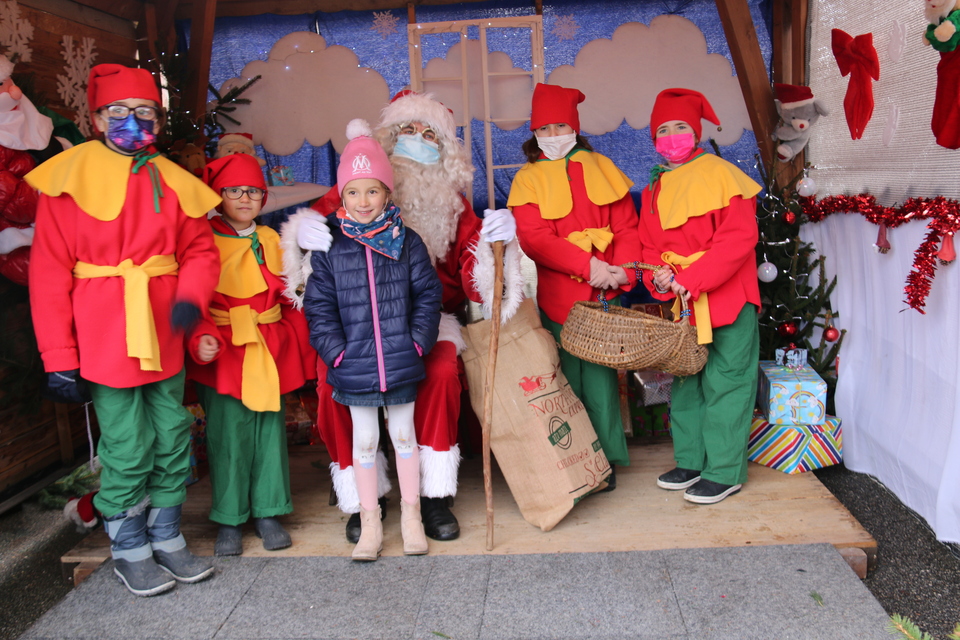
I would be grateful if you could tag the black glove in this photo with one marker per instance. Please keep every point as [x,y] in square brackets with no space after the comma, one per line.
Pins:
[66,386]
[184,316]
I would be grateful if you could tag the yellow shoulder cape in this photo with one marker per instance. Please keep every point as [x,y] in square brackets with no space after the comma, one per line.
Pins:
[240,275]
[96,178]
[537,182]
[703,185]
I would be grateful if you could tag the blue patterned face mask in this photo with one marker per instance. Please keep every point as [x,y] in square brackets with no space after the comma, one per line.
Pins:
[417,149]
[131,134]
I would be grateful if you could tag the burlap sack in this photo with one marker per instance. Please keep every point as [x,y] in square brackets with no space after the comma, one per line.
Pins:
[541,435]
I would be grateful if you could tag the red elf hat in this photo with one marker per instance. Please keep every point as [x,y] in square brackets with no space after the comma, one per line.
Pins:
[553,104]
[681,104]
[235,170]
[111,82]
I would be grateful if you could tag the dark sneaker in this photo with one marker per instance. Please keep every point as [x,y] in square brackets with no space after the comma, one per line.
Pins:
[709,492]
[272,533]
[677,479]
[183,565]
[353,522]
[143,577]
[611,480]
[439,522]
[229,541]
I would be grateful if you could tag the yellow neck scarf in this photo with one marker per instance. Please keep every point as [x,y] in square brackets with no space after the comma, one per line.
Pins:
[704,184]
[260,380]
[96,178]
[240,274]
[142,339]
[546,183]
[701,306]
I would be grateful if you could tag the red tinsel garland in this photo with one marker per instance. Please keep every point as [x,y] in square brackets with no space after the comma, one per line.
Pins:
[944,216]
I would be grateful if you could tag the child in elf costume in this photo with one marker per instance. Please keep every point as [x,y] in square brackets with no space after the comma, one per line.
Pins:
[698,220]
[123,261]
[249,350]
[373,304]
[577,222]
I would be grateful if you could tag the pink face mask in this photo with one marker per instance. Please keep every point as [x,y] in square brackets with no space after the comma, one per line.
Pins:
[675,148]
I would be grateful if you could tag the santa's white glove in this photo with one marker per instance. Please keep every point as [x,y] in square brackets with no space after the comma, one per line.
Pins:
[13,238]
[313,234]
[498,225]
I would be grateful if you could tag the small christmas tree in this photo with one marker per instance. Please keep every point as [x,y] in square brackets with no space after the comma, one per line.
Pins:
[793,285]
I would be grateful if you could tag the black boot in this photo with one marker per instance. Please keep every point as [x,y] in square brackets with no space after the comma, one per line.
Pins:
[439,522]
[353,522]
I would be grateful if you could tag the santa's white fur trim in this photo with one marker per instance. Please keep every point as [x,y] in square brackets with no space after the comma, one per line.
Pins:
[450,331]
[6,68]
[420,107]
[296,261]
[483,276]
[438,471]
[345,484]
[358,127]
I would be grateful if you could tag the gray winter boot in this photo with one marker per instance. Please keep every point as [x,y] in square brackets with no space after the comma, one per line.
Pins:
[229,541]
[272,532]
[133,561]
[170,549]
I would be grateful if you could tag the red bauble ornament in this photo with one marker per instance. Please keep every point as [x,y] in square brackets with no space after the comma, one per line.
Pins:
[831,334]
[787,329]
[789,217]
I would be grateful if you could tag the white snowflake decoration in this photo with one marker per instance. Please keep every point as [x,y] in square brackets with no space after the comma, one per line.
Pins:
[15,33]
[384,23]
[565,28]
[73,86]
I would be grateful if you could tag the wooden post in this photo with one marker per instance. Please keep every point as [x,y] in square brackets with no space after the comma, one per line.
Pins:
[488,386]
[198,62]
[751,72]
[411,13]
[63,433]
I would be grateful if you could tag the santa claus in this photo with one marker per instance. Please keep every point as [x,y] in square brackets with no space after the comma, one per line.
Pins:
[431,171]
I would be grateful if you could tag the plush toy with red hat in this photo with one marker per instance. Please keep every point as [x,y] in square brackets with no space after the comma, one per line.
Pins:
[230,143]
[943,35]
[81,512]
[799,111]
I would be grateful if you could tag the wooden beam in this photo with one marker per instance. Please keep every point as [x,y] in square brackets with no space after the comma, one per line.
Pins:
[198,61]
[236,8]
[411,13]
[147,36]
[799,11]
[751,72]
[63,433]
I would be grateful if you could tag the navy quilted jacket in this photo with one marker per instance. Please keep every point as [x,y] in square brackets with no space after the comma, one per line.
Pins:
[375,333]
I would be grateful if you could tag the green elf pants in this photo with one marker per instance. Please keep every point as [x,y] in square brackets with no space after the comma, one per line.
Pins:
[711,411]
[599,390]
[247,453]
[144,445]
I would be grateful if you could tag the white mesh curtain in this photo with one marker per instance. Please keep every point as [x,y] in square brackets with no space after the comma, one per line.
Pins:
[897,390]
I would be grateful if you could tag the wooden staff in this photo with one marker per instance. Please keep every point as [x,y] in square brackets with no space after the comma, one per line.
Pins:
[488,384]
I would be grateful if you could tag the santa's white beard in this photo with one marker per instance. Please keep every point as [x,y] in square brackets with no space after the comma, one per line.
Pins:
[23,128]
[429,203]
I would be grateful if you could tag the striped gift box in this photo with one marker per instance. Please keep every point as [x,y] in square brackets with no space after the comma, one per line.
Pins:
[795,448]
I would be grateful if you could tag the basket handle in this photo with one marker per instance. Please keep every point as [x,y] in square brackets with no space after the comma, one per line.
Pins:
[637,266]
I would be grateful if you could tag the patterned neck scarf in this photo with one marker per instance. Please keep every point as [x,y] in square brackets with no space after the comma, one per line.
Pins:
[384,234]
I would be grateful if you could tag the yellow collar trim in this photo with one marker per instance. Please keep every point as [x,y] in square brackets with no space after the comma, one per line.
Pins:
[240,274]
[96,178]
[547,184]
[704,184]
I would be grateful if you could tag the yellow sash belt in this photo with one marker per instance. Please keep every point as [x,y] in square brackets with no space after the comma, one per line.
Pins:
[701,305]
[260,381]
[590,238]
[142,339]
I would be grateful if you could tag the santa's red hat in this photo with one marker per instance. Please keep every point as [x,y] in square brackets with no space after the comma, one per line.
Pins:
[111,82]
[793,95]
[235,170]
[681,104]
[409,106]
[553,104]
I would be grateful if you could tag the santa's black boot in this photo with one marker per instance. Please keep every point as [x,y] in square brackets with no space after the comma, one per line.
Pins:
[133,561]
[170,549]
[439,522]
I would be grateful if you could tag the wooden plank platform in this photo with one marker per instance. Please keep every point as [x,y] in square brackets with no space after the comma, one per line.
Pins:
[773,508]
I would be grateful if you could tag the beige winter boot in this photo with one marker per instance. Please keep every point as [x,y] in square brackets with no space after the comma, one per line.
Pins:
[371,536]
[411,526]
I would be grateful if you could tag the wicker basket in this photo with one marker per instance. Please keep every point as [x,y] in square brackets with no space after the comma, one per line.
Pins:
[627,339]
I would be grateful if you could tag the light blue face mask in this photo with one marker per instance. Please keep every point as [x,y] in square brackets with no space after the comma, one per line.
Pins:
[413,146]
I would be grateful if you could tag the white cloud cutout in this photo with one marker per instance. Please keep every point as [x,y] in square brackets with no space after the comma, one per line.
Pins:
[308,92]
[622,76]
[509,95]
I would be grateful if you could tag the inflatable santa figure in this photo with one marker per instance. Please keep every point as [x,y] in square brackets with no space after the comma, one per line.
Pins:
[431,171]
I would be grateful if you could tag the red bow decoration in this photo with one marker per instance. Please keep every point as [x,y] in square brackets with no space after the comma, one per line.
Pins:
[857,58]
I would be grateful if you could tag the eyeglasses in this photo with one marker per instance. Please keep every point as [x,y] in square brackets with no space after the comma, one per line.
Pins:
[235,193]
[119,112]
[411,128]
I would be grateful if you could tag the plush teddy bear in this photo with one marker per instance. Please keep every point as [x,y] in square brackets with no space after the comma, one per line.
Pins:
[799,111]
[230,143]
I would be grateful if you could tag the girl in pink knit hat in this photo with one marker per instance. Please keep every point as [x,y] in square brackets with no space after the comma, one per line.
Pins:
[373,305]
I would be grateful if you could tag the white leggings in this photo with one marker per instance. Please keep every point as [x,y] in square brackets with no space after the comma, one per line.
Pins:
[366,432]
